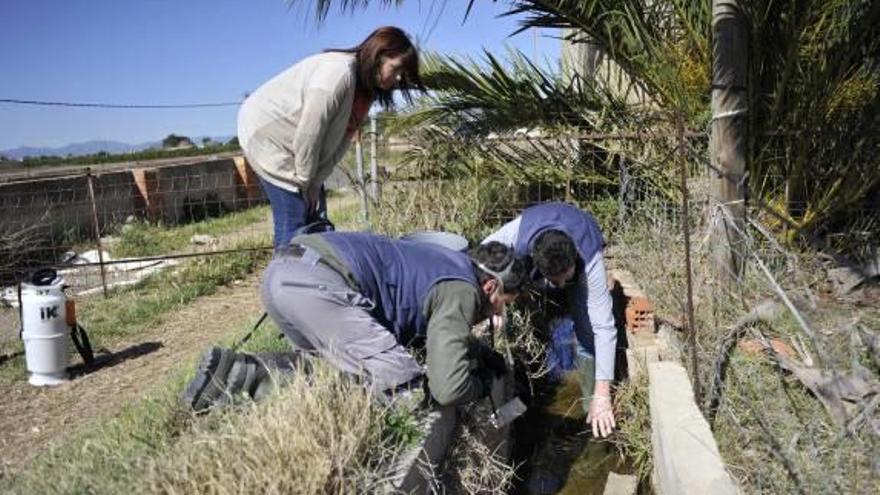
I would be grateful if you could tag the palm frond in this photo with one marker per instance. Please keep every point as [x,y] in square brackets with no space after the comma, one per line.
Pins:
[498,95]
[655,43]
[813,94]
[322,7]
[814,102]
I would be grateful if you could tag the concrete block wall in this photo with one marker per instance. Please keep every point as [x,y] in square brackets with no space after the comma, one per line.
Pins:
[61,207]
[247,182]
[51,208]
[147,200]
[190,192]
[686,457]
[685,454]
[55,214]
[113,198]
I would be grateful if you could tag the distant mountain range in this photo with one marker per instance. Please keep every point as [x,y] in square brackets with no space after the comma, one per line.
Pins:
[92,147]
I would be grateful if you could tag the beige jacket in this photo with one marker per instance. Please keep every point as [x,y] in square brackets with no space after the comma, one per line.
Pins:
[292,129]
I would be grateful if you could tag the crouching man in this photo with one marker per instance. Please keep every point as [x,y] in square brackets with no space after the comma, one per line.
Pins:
[565,247]
[358,300]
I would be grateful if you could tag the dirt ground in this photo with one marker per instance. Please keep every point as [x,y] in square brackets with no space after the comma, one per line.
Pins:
[89,278]
[32,417]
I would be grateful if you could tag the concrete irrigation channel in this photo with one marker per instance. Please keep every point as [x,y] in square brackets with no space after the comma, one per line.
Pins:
[556,453]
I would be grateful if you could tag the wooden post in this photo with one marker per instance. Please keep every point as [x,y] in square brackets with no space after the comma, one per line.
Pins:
[727,145]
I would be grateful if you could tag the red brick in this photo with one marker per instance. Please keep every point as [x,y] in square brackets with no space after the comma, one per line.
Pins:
[639,315]
[247,181]
[146,194]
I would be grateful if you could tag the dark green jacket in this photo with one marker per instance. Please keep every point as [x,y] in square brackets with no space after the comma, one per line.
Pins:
[451,308]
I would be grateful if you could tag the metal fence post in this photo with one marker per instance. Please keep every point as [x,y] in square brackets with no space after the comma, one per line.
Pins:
[573,160]
[374,162]
[622,195]
[96,229]
[686,232]
[362,183]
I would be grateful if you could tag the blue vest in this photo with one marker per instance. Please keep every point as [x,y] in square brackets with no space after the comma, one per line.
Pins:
[397,276]
[577,224]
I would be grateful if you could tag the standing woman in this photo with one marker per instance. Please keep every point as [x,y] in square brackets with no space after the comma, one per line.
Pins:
[296,127]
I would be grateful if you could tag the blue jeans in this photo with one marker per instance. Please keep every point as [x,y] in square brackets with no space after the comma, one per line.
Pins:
[290,211]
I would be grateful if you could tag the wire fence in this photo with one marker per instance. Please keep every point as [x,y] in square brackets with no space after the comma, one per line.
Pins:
[113,227]
[652,193]
[109,229]
[56,216]
[655,198]
[92,219]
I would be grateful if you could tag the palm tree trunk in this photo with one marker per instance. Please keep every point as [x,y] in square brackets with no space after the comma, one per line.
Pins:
[727,146]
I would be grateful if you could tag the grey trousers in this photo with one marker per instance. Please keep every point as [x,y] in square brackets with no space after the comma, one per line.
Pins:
[317,310]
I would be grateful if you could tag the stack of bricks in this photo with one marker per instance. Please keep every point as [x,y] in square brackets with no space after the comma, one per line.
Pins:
[639,311]
[148,198]
[642,345]
[639,314]
[246,181]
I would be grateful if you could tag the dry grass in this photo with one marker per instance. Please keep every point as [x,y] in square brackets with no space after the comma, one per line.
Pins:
[775,436]
[476,462]
[318,434]
[322,434]
[463,206]
[108,458]
[524,345]
[633,437]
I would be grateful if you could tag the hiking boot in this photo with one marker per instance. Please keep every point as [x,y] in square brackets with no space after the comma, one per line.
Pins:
[210,381]
[223,374]
[282,364]
[245,376]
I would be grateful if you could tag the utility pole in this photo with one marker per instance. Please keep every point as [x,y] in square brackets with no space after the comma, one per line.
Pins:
[727,144]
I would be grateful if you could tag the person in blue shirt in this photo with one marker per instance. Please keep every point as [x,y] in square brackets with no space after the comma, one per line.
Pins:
[360,300]
[565,246]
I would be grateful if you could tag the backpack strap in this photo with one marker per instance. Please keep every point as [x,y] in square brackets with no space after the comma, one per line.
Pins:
[81,342]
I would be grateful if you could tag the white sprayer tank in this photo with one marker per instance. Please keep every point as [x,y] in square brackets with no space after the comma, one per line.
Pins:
[45,332]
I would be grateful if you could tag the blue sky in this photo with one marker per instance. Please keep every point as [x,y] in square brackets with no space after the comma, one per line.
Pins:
[193,51]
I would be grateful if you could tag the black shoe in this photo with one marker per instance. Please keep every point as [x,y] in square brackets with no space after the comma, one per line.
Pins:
[210,383]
